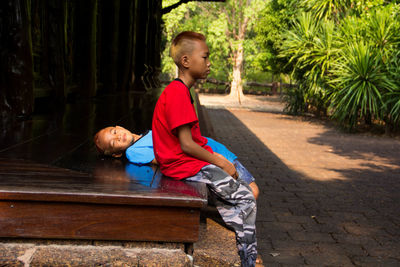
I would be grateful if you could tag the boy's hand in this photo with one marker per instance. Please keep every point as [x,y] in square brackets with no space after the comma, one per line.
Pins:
[227,166]
[191,148]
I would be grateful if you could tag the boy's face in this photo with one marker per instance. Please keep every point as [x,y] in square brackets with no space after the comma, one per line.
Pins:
[198,61]
[115,140]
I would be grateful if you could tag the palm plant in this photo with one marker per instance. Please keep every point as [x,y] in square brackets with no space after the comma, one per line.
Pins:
[295,99]
[352,30]
[300,40]
[392,98]
[361,81]
[297,47]
[383,31]
[311,47]
[327,8]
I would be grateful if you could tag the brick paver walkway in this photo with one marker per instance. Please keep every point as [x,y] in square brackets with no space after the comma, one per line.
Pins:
[328,198]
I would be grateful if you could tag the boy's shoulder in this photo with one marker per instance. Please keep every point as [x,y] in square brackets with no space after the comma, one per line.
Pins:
[176,88]
[177,85]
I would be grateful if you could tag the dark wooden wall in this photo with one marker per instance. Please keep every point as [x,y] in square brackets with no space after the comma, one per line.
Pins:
[63,49]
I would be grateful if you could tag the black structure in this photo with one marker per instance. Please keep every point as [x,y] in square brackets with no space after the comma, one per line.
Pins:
[62,49]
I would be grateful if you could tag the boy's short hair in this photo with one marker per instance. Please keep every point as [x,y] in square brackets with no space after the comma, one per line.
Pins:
[99,149]
[183,44]
[102,152]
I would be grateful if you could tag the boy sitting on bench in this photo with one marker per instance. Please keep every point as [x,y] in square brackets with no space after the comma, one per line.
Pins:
[114,141]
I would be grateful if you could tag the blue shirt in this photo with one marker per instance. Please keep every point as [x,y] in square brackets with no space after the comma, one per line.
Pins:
[141,152]
[221,149]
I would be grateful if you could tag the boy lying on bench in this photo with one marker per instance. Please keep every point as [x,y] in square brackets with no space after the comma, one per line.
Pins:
[114,141]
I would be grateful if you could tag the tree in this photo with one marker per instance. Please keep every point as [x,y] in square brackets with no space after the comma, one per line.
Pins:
[226,25]
[240,16]
[275,19]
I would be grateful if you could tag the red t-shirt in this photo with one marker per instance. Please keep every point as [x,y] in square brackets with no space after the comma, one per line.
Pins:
[173,109]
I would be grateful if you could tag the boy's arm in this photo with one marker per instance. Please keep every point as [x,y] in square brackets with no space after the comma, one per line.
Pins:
[193,149]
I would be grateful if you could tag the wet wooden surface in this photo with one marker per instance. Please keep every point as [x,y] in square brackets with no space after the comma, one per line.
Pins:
[54,185]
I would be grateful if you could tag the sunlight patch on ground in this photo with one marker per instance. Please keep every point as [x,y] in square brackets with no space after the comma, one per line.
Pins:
[289,139]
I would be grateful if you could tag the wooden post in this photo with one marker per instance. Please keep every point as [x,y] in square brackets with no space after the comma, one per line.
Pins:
[126,46]
[109,44]
[56,47]
[16,75]
[85,46]
[140,43]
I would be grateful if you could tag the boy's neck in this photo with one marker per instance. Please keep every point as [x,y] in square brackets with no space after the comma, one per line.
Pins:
[186,79]
[135,137]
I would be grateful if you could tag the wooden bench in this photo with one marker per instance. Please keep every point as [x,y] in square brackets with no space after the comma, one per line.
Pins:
[54,185]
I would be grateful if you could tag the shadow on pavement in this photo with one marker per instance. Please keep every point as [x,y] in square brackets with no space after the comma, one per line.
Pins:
[357,146]
[302,221]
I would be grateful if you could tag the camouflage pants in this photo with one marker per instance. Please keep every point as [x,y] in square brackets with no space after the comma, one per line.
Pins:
[237,206]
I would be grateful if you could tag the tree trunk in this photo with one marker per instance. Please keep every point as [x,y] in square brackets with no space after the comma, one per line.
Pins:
[236,85]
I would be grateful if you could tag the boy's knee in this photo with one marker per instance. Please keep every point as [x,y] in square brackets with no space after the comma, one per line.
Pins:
[254,189]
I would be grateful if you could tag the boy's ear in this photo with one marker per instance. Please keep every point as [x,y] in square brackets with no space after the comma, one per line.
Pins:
[117,155]
[185,61]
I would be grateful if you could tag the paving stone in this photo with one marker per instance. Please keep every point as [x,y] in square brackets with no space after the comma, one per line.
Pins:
[265,245]
[354,239]
[299,246]
[375,261]
[348,250]
[327,259]
[324,219]
[349,216]
[282,227]
[324,228]
[311,236]
[300,210]
[285,258]
[353,250]
[389,250]
[387,240]
[294,219]
[361,230]
[275,235]
[265,216]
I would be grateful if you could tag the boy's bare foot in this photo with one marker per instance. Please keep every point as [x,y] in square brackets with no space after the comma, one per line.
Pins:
[259,261]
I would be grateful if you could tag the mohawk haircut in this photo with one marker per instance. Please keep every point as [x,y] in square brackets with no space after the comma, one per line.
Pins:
[183,44]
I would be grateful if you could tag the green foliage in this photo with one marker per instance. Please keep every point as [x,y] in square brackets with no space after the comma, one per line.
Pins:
[383,31]
[327,8]
[296,100]
[361,82]
[392,98]
[219,23]
[275,19]
[343,56]
[311,47]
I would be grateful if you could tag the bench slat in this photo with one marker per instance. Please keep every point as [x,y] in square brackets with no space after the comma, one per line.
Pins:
[104,222]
